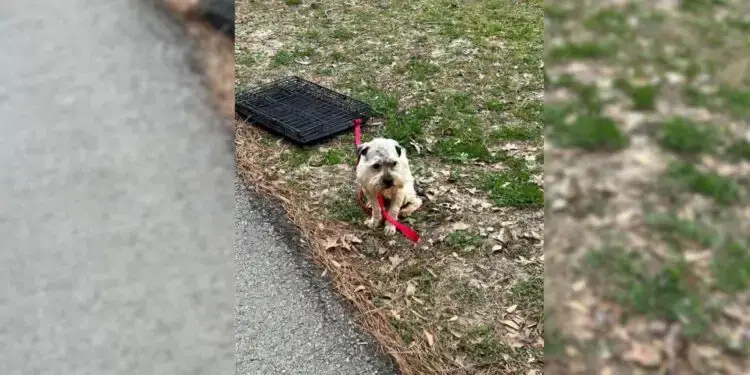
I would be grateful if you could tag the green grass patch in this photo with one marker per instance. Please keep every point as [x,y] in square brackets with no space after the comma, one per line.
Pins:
[287,57]
[463,239]
[731,266]
[739,150]
[293,2]
[404,127]
[608,21]
[342,34]
[419,69]
[382,103]
[588,132]
[686,137]
[578,51]
[512,189]
[483,347]
[249,59]
[676,230]
[495,105]
[461,102]
[529,295]
[710,184]
[518,133]
[642,96]
[336,156]
[462,140]
[700,5]
[295,158]
[532,111]
[667,294]
[344,208]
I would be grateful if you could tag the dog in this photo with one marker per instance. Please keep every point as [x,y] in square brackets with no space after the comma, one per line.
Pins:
[383,168]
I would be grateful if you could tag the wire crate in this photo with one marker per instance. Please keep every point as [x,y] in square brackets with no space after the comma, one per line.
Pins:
[299,110]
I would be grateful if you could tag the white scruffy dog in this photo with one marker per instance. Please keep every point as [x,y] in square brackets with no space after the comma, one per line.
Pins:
[383,168]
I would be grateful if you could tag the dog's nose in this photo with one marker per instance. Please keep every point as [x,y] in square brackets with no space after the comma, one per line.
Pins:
[388,181]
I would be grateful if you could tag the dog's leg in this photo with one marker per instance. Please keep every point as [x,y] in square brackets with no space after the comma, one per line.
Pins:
[411,206]
[393,211]
[377,216]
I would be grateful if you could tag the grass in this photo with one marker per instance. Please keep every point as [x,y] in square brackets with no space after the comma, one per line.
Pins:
[722,189]
[459,84]
[529,295]
[649,136]
[588,132]
[665,294]
[686,137]
[512,189]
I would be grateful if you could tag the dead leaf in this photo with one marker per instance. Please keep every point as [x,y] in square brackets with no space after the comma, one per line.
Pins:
[410,289]
[643,355]
[511,324]
[360,288]
[456,334]
[430,338]
[330,243]
[335,263]
[511,309]
[497,248]
[453,318]
[460,226]
[395,260]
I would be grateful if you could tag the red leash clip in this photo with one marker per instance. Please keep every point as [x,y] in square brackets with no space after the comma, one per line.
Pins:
[409,233]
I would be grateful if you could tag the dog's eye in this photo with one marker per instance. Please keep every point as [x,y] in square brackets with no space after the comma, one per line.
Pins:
[376,166]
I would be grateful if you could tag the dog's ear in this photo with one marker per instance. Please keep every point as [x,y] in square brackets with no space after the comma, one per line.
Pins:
[398,150]
[362,150]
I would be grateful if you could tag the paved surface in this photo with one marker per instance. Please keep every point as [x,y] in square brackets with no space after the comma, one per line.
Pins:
[116,225]
[288,321]
[116,192]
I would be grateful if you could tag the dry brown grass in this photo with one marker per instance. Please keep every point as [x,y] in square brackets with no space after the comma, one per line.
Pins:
[339,263]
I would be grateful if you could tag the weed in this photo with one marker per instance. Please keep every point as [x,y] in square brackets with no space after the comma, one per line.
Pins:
[462,239]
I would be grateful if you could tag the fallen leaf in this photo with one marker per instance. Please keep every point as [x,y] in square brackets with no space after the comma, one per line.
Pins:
[511,324]
[430,338]
[643,355]
[335,263]
[410,289]
[330,243]
[497,248]
[453,318]
[456,334]
[460,226]
[395,260]
[360,288]
[511,309]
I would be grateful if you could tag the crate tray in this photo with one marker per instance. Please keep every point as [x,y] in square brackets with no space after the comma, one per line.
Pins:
[300,111]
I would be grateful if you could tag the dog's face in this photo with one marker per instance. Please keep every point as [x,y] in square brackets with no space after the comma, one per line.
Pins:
[382,164]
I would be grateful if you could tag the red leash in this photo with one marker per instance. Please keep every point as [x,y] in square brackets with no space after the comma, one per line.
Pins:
[409,233]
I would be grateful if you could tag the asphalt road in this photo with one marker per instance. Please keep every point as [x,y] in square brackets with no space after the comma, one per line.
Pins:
[288,321]
[116,196]
[116,214]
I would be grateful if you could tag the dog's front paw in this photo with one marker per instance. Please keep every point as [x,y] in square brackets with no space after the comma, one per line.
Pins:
[389,230]
[371,223]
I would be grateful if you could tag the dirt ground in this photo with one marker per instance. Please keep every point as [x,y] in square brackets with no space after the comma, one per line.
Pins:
[647,165]
[460,85]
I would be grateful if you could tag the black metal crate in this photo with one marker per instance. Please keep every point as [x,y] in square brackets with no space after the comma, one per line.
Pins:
[299,110]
